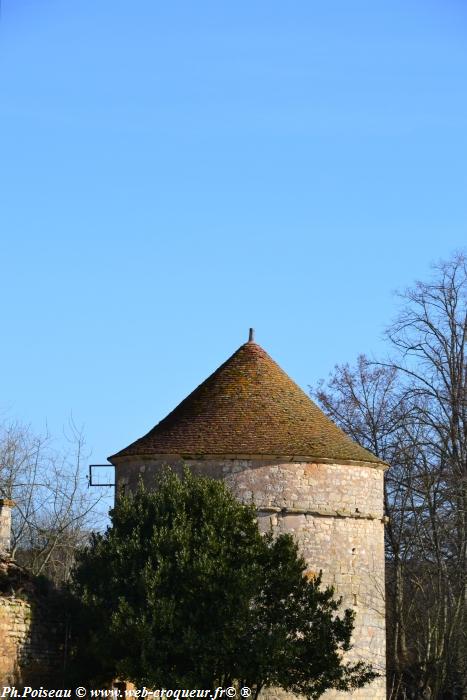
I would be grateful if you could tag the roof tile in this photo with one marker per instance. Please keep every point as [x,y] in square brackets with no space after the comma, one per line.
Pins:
[248,406]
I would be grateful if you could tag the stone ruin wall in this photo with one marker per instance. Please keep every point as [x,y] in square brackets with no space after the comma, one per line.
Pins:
[15,618]
[29,650]
[335,511]
[31,638]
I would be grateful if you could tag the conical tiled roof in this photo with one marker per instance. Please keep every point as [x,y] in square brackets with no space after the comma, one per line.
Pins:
[248,407]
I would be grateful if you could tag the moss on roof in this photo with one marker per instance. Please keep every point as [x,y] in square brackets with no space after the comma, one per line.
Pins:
[248,406]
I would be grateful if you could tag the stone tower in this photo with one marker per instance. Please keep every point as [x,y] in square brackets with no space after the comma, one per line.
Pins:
[252,426]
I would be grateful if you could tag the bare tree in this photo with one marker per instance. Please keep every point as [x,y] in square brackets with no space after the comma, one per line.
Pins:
[429,342]
[412,412]
[54,511]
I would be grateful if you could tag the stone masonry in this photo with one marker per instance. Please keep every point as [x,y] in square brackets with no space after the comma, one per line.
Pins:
[15,623]
[6,505]
[30,650]
[335,513]
[31,636]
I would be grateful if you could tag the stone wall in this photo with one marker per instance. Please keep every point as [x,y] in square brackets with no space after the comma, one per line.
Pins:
[31,635]
[14,626]
[335,511]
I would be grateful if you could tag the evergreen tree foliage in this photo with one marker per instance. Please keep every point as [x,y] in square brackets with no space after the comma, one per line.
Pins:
[182,591]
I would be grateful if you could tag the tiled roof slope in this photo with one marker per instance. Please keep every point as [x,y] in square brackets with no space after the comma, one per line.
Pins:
[248,406]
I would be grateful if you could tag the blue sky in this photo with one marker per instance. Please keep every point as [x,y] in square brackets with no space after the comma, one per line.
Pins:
[173,173]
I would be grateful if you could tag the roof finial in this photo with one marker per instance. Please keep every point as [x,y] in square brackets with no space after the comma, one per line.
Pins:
[251,336]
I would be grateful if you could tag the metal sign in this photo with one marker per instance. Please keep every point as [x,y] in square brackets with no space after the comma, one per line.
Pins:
[93,479]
